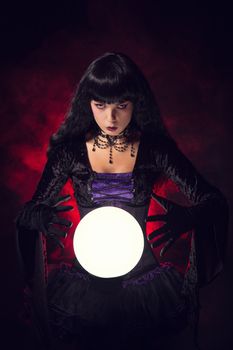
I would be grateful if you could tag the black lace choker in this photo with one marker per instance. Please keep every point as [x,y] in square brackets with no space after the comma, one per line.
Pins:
[119,142]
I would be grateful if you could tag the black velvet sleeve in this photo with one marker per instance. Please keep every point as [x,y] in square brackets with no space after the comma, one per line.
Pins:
[55,174]
[209,205]
[53,178]
[176,166]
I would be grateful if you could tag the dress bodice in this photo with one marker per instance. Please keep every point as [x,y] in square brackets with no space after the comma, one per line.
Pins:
[112,186]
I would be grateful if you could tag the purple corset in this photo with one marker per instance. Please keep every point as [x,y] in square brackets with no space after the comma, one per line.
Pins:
[112,187]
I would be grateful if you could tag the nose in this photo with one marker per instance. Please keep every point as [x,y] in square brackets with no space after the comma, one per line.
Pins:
[111,114]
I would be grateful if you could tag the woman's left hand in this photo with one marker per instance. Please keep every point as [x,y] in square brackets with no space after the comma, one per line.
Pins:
[178,220]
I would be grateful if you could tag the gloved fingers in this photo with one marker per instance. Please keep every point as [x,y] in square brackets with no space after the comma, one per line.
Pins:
[61,221]
[61,199]
[161,240]
[159,231]
[56,240]
[63,208]
[160,217]
[164,202]
[53,230]
[166,246]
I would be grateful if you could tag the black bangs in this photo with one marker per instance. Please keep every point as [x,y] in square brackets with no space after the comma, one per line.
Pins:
[110,90]
[110,81]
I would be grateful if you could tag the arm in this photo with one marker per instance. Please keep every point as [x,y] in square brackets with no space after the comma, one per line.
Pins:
[40,209]
[54,176]
[208,214]
[174,164]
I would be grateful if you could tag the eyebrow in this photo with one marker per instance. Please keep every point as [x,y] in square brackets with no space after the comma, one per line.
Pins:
[117,103]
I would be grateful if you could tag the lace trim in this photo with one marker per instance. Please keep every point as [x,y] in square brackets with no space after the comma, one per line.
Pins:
[148,276]
[71,270]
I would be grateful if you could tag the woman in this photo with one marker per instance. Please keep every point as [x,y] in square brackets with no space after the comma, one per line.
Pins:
[115,148]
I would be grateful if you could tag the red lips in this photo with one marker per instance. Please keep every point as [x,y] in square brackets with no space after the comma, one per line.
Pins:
[114,128]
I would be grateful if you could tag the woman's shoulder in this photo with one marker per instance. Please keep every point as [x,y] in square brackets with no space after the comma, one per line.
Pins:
[67,148]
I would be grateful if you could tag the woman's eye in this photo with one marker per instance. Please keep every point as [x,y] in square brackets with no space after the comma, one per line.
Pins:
[99,105]
[122,106]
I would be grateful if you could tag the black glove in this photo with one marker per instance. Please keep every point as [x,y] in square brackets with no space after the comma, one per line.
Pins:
[44,215]
[178,220]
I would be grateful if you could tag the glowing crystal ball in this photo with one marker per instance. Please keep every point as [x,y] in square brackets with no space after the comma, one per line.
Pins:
[108,242]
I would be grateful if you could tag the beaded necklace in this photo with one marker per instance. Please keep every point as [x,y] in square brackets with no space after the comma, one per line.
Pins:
[119,142]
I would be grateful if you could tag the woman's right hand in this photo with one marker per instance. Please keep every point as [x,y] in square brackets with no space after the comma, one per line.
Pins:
[45,216]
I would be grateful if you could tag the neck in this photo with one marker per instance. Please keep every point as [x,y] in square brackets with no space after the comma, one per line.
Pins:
[133,134]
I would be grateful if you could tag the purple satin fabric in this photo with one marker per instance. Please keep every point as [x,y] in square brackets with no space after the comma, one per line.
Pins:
[113,187]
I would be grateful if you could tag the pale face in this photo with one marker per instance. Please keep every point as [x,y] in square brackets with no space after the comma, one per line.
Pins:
[112,118]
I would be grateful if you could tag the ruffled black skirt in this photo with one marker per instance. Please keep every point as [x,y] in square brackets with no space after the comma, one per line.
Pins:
[82,304]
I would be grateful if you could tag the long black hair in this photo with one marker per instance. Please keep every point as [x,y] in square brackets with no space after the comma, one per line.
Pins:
[111,78]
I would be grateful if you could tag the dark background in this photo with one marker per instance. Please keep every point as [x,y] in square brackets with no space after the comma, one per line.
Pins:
[186,52]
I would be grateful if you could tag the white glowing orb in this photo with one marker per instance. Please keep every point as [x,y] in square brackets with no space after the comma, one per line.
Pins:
[108,242]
